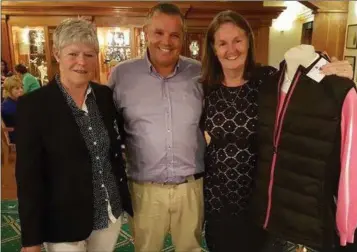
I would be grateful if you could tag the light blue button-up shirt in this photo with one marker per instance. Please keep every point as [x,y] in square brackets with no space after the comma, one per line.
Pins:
[164,143]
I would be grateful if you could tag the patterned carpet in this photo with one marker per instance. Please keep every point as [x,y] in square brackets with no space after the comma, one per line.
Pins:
[10,232]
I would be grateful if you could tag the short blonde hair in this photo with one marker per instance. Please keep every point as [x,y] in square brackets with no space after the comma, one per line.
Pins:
[10,83]
[73,31]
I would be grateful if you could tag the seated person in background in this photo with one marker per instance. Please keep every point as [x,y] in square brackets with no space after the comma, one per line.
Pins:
[12,91]
[30,82]
[4,71]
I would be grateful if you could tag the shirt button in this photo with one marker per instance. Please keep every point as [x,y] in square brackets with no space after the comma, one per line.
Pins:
[95,143]
[97,158]
[116,154]
[90,128]
[102,185]
[100,172]
[168,130]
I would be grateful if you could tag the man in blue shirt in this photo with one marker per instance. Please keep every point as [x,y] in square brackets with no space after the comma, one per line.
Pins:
[161,102]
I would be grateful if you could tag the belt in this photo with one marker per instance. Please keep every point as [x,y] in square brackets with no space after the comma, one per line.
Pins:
[188,179]
[194,177]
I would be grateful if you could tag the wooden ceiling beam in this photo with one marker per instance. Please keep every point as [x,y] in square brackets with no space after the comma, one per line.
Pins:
[190,9]
[327,6]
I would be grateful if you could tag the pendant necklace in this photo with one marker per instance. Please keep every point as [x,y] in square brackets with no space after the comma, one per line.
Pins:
[231,103]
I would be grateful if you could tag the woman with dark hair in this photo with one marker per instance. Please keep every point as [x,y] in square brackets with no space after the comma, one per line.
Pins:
[29,81]
[231,82]
[230,118]
[4,71]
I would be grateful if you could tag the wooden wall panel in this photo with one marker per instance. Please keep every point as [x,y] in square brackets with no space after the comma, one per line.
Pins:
[261,44]
[329,33]
[37,21]
[198,15]
[5,43]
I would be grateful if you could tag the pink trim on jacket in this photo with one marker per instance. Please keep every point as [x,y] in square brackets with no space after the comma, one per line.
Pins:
[278,126]
[346,215]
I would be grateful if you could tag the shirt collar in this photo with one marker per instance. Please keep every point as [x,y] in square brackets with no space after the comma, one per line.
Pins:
[152,68]
[69,98]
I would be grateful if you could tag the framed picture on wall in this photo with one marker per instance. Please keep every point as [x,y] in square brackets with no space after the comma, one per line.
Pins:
[351,42]
[352,61]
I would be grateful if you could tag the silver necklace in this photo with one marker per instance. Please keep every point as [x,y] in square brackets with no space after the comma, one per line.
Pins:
[231,103]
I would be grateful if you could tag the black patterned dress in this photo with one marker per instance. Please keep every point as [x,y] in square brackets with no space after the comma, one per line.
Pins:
[230,118]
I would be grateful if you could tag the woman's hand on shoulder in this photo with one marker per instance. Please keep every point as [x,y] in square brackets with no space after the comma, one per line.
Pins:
[339,68]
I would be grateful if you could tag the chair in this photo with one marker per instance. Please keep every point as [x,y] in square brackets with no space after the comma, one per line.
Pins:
[8,149]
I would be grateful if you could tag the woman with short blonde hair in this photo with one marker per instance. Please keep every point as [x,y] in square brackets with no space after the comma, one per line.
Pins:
[11,83]
[72,186]
[12,91]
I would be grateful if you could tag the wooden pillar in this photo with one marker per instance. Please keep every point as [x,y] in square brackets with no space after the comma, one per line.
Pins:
[329,26]
[261,35]
[5,42]
[329,33]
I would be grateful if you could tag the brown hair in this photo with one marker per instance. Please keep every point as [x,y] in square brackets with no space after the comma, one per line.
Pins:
[20,68]
[212,73]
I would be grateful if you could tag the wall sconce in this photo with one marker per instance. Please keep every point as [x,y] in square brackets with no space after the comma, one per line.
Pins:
[283,23]
[25,36]
[286,19]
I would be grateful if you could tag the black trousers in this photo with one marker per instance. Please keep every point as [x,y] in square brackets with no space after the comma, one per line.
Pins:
[274,244]
[233,234]
[350,247]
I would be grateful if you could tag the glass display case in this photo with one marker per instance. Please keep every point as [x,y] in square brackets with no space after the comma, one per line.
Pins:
[30,50]
[117,44]
[114,47]
[33,47]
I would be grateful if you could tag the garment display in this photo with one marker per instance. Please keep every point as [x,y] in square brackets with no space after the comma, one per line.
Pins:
[306,175]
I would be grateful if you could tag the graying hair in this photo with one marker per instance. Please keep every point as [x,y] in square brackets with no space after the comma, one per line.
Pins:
[73,31]
[168,9]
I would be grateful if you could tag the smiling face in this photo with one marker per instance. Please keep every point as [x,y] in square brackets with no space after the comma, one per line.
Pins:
[16,92]
[164,35]
[231,46]
[77,63]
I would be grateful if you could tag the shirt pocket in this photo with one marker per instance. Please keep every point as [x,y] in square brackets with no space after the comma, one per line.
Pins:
[188,104]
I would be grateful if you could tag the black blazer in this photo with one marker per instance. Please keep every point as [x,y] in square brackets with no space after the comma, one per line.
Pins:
[53,166]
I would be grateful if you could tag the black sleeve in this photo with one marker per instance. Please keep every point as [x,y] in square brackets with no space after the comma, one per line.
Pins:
[120,170]
[203,116]
[267,71]
[263,73]
[120,119]
[28,172]
[119,116]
